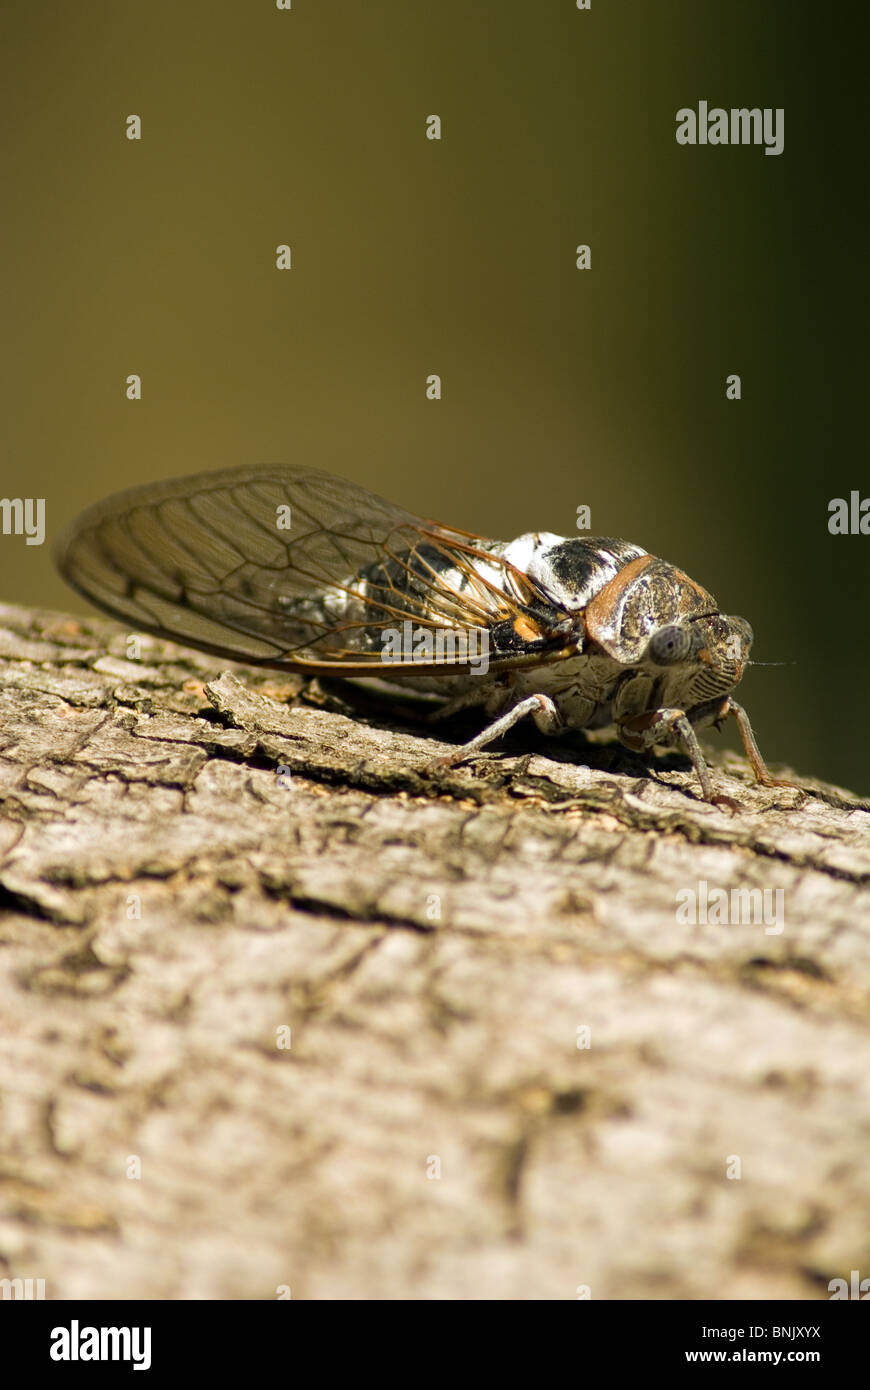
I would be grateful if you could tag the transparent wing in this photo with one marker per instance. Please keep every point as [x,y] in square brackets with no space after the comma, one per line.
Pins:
[290,567]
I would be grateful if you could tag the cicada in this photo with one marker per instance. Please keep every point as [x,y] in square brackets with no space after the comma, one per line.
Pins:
[300,570]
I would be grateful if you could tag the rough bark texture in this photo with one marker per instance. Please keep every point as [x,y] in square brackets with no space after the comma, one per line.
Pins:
[172,905]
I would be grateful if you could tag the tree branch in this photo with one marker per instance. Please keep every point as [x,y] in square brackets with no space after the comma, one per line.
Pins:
[173,900]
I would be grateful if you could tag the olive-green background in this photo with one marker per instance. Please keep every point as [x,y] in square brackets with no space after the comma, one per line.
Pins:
[561,387]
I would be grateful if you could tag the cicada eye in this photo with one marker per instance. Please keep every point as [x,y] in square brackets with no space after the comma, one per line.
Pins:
[668,645]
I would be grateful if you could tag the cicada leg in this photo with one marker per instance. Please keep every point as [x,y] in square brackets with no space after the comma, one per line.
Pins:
[643,731]
[759,766]
[541,707]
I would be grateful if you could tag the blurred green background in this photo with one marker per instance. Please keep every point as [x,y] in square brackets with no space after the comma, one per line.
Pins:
[411,256]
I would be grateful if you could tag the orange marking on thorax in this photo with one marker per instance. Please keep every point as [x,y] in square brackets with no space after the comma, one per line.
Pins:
[599,612]
[526,629]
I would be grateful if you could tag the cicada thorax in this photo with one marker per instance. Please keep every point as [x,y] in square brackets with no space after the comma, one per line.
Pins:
[645,595]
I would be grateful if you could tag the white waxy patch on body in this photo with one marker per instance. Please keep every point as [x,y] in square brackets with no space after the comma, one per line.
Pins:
[570,571]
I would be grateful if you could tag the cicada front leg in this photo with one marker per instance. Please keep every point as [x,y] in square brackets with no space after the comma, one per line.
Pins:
[643,731]
[759,766]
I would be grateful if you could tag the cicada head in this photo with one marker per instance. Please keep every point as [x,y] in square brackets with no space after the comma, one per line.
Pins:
[655,618]
[700,660]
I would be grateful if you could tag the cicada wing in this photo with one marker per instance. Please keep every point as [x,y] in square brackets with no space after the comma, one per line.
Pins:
[286,567]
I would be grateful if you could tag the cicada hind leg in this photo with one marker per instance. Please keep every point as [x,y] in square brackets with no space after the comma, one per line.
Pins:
[540,707]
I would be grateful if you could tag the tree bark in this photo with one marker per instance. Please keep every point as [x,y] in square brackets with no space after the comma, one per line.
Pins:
[283,1011]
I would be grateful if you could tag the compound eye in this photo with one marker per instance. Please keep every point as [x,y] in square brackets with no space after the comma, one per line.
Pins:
[668,645]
